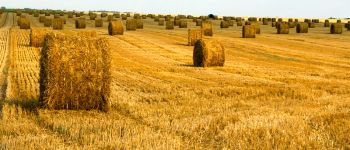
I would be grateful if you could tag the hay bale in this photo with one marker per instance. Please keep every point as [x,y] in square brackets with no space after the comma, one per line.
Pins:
[131,25]
[104,15]
[265,21]
[231,23]
[224,24]
[239,23]
[56,16]
[208,53]
[169,25]
[176,22]
[57,24]
[67,81]
[48,22]
[161,22]
[183,23]
[110,18]
[47,14]
[338,21]
[93,16]
[139,24]
[312,25]
[116,15]
[98,23]
[248,31]
[36,14]
[207,27]
[283,28]
[302,27]
[336,28]
[80,23]
[37,36]
[326,23]
[194,35]
[124,17]
[257,27]
[115,28]
[42,19]
[23,23]
[199,22]
[348,26]
[128,15]
[137,16]
[291,24]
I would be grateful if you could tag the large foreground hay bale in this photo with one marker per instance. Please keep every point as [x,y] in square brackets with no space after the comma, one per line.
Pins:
[75,73]
[336,28]
[194,35]
[208,53]
[115,28]
[139,24]
[37,36]
[24,23]
[80,23]
[48,22]
[131,25]
[248,31]
[207,27]
[98,22]
[169,25]
[302,27]
[57,24]
[283,28]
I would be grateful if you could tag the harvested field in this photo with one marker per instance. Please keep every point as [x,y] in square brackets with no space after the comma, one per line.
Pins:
[275,91]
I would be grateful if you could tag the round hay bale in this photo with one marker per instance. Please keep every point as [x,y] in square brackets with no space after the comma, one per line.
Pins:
[208,53]
[128,15]
[336,28]
[207,27]
[115,28]
[137,16]
[283,28]
[42,19]
[110,18]
[93,16]
[131,25]
[291,24]
[24,23]
[161,22]
[231,23]
[265,21]
[279,20]
[176,22]
[37,36]
[199,22]
[67,81]
[139,24]
[98,22]
[326,23]
[169,25]
[348,26]
[257,27]
[302,27]
[338,21]
[156,19]
[104,15]
[57,24]
[183,23]
[296,20]
[124,17]
[224,24]
[80,23]
[48,22]
[273,19]
[18,13]
[248,31]
[290,20]
[312,25]
[194,35]
[116,15]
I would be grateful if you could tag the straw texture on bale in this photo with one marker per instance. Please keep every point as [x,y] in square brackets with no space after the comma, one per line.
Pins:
[80,23]
[283,28]
[338,21]
[183,24]
[110,18]
[93,16]
[98,23]
[302,27]
[57,24]
[48,22]
[67,81]
[161,22]
[312,25]
[103,15]
[348,26]
[207,27]
[37,36]
[176,22]
[257,27]
[239,23]
[208,53]
[124,17]
[131,25]
[169,25]
[291,24]
[248,31]
[24,23]
[224,24]
[139,24]
[326,23]
[336,28]
[194,35]
[56,16]
[115,28]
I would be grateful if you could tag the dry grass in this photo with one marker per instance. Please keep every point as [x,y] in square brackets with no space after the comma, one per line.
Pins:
[275,92]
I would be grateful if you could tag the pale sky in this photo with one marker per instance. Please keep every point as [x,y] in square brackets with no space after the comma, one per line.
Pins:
[258,8]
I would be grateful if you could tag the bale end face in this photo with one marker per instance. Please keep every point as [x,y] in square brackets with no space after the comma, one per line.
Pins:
[248,31]
[194,35]
[57,24]
[115,28]
[67,81]
[208,53]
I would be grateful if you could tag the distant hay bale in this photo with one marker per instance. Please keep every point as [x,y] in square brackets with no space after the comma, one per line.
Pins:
[42,19]
[326,23]
[161,22]
[156,19]
[104,15]
[224,24]
[239,23]
[93,16]
[291,24]
[110,18]
[128,15]
[302,27]
[24,23]
[169,25]
[207,27]
[80,23]
[273,20]
[208,53]
[56,16]
[338,21]
[257,27]
[36,14]
[248,31]
[230,23]
[18,13]
[137,16]
[131,25]
[183,23]
[283,28]
[70,15]
[348,26]
[99,22]
[57,24]
[115,28]
[336,28]
[37,36]
[47,14]
[312,25]
[290,20]
[139,24]
[265,21]
[199,22]
[124,17]
[116,15]
[48,22]
[176,22]
[67,81]
[194,35]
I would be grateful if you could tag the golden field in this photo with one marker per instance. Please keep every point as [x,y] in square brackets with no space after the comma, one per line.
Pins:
[274,92]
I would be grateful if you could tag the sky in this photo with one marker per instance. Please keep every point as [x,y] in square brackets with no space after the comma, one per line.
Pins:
[257,8]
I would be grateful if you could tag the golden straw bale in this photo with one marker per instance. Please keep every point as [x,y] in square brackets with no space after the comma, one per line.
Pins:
[98,22]
[37,36]
[139,24]
[194,35]
[248,31]
[131,25]
[208,53]
[58,24]
[115,28]
[80,23]
[336,28]
[302,27]
[169,25]
[207,27]
[283,28]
